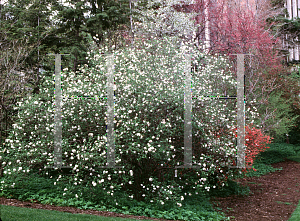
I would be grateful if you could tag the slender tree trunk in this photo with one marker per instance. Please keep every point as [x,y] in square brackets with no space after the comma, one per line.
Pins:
[207,32]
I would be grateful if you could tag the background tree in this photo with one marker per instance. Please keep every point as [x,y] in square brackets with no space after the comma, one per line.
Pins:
[283,27]
[235,30]
[19,60]
[31,29]
[288,29]
[159,18]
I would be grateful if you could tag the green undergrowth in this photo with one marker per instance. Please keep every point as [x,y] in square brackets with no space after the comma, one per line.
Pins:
[194,207]
[278,152]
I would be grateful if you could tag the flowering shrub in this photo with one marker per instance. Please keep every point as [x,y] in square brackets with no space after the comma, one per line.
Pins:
[255,143]
[148,126]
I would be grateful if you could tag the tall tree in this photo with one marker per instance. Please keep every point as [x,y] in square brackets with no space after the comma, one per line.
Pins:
[78,22]
[21,34]
[234,29]
[288,30]
[107,17]
[31,29]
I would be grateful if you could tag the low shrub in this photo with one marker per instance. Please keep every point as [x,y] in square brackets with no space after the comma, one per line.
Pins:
[276,153]
[261,169]
[230,188]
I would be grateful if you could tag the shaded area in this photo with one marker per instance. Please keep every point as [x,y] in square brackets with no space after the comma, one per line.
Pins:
[274,196]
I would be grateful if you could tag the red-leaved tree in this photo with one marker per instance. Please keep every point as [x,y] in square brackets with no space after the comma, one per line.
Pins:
[229,29]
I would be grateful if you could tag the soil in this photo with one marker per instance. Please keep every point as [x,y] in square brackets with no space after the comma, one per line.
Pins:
[274,196]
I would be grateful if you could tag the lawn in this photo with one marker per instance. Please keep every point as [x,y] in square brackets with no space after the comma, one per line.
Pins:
[12,213]
[296,215]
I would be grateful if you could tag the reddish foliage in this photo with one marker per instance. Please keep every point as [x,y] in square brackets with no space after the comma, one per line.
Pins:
[255,142]
[234,30]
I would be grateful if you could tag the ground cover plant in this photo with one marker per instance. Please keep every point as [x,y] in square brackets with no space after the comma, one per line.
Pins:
[34,188]
[296,214]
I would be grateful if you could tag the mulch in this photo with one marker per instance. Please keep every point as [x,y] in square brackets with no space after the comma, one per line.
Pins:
[274,197]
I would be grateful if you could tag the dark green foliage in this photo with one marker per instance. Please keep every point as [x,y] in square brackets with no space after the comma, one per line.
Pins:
[71,34]
[297,149]
[106,16]
[42,189]
[35,186]
[294,135]
[231,188]
[273,156]
[28,21]
[261,169]
[30,185]
[276,153]
[63,171]
[294,158]
[279,139]
[278,3]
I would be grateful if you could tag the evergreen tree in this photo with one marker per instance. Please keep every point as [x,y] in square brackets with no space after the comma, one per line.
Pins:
[21,34]
[106,17]
[31,29]
[80,22]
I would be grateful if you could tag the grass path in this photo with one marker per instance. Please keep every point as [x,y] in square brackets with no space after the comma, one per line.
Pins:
[296,214]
